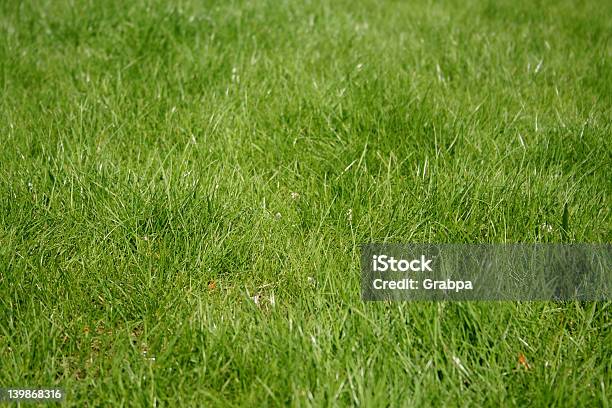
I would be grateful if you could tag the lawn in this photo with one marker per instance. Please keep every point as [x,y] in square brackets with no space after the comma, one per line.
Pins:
[185,186]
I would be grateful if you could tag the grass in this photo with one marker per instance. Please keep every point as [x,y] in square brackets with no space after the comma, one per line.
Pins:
[162,165]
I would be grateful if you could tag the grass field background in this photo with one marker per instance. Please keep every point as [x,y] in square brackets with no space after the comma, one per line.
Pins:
[162,165]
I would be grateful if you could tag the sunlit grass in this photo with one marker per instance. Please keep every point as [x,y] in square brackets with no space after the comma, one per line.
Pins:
[164,166]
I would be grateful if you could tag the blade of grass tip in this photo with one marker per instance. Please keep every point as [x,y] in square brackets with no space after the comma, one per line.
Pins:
[268,390]
[565,223]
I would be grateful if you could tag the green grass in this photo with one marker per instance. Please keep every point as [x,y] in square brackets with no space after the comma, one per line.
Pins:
[149,148]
